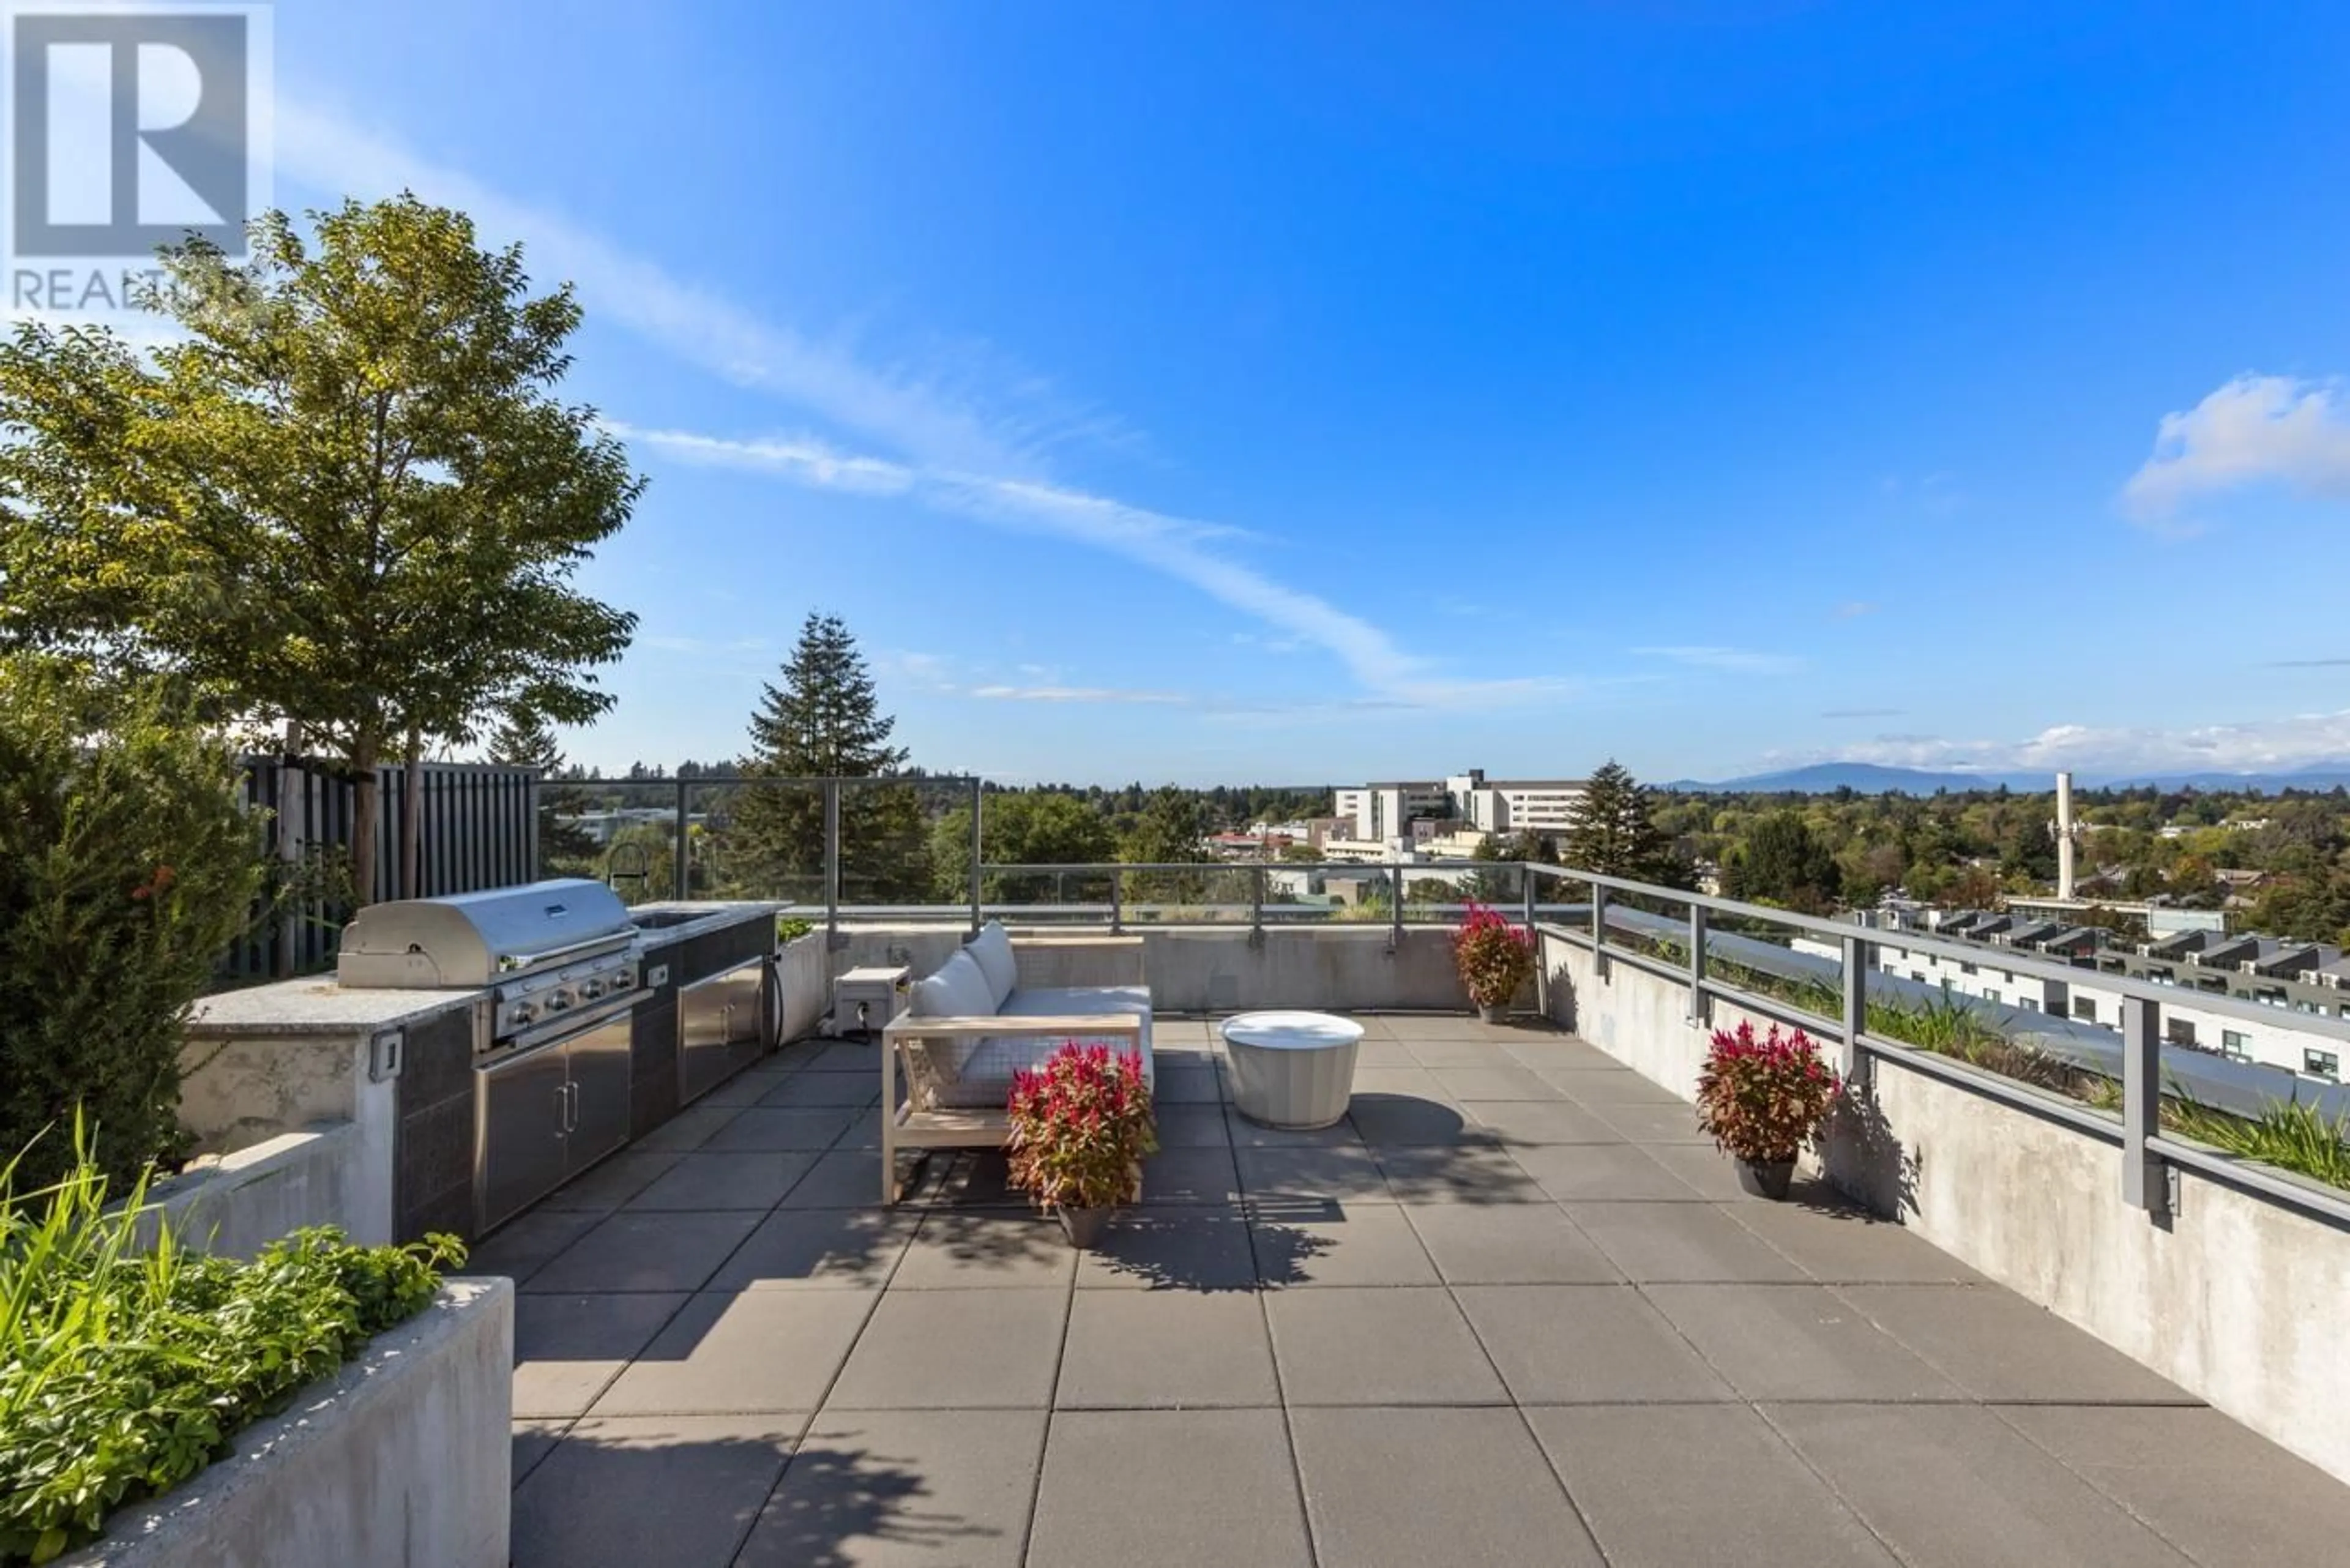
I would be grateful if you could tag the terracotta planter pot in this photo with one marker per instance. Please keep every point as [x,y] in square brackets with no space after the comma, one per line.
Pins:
[1083,1227]
[1766,1178]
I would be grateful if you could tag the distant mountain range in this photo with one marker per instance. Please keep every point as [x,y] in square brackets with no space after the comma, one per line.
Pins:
[1871,778]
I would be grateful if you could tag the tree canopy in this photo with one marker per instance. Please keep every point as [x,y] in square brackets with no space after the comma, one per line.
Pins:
[1782,863]
[346,496]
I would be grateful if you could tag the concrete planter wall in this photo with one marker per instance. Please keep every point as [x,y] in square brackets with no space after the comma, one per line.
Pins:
[251,1198]
[804,985]
[2236,1300]
[402,1459]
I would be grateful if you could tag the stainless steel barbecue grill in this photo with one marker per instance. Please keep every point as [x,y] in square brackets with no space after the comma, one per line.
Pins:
[552,953]
[560,960]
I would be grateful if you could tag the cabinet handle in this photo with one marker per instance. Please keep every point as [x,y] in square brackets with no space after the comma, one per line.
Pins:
[562,1109]
[573,1125]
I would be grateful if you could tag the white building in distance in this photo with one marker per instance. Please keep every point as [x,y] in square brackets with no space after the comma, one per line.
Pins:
[1383,814]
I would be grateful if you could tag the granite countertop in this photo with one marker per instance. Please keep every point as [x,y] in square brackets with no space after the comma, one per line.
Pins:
[315,1005]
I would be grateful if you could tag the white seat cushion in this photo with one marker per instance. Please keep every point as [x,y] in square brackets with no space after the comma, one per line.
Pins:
[959,990]
[991,946]
[983,1071]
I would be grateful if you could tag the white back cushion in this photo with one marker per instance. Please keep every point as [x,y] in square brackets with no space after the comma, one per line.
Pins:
[993,949]
[958,991]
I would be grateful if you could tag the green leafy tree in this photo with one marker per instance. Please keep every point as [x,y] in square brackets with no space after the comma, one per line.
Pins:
[1022,827]
[822,720]
[1782,862]
[346,496]
[1614,832]
[2312,907]
[127,868]
[525,740]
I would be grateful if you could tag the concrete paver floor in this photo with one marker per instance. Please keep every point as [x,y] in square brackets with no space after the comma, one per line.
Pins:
[1513,1311]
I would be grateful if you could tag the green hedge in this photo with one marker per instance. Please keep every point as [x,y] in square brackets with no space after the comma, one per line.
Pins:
[127,868]
[124,1369]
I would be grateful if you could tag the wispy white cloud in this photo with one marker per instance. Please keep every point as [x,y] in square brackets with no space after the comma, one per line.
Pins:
[1728,660]
[1264,644]
[802,459]
[2253,745]
[1178,547]
[926,414]
[947,446]
[1853,610]
[2254,430]
[1077,694]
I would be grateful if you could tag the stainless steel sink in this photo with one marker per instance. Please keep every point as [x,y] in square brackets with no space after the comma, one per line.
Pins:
[654,919]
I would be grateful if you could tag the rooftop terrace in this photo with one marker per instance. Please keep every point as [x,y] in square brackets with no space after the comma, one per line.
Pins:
[1514,1310]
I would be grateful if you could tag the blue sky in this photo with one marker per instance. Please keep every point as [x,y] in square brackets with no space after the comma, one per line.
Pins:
[1294,393]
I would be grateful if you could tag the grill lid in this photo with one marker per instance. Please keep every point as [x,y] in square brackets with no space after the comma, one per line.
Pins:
[481,938]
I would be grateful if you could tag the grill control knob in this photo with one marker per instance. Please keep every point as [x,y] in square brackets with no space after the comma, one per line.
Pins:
[522,1015]
[556,1000]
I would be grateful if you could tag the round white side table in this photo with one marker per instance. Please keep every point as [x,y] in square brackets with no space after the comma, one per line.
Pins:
[1292,1069]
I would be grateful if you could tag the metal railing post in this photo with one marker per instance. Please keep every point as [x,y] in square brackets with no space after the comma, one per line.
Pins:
[2144,1184]
[1256,903]
[832,856]
[1854,1066]
[1395,922]
[978,804]
[680,870]
[1117,900]
[1700,1013]
[1526,885]
[1599,917]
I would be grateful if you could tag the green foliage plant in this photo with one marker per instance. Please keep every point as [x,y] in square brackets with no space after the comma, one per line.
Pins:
[128,1362]
[127,868]
[2286,1134]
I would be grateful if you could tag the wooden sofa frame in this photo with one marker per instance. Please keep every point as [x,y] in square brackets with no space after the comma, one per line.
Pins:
[903,1127]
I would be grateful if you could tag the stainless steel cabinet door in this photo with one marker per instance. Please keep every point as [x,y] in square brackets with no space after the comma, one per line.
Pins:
[599,1091]
[720,1027]
[523,1108]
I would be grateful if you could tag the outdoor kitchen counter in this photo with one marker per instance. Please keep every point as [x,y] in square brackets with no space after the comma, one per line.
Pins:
[688,941]
[390,1132]
[673,922]
[315,1005]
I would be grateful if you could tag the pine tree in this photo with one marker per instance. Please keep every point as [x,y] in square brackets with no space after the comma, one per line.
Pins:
[822,720]
[523,740]
[1614,834]
[1171,829]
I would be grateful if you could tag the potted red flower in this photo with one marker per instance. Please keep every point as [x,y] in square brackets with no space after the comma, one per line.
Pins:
[1494,958]
[1764,1099]
[1081,1126]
